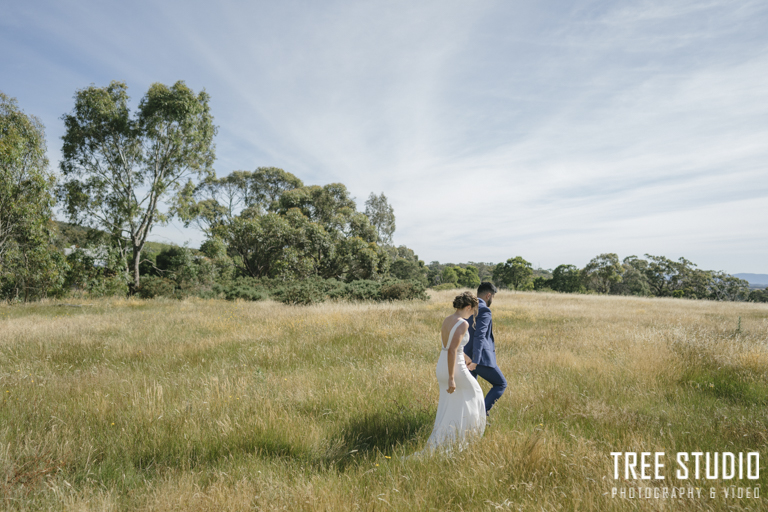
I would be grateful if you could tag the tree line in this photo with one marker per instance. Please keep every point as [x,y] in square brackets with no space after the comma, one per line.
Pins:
[652,276]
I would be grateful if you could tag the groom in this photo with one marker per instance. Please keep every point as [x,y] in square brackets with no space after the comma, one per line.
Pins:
[481,347]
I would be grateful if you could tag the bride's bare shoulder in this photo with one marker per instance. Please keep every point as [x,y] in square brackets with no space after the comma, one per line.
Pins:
[449,321]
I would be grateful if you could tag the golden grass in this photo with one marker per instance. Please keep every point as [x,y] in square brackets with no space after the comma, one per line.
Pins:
[211,405]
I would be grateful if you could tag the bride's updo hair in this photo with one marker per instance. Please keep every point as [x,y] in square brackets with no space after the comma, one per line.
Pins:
[464,300]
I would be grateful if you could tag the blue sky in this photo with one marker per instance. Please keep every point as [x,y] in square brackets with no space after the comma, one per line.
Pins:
[551,130]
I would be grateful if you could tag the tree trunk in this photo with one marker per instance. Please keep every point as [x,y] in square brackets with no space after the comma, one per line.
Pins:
[136,259]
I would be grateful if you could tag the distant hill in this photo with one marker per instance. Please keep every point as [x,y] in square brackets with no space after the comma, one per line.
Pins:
[754,280]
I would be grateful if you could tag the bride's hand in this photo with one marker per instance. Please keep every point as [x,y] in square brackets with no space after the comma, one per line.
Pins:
[471,366]
[451,386]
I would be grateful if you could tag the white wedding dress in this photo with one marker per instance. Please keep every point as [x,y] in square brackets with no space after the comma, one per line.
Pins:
[461,414]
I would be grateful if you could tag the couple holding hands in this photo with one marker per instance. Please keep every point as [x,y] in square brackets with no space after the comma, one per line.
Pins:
[468,352]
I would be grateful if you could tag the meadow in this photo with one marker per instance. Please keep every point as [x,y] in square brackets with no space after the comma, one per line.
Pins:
[213,405]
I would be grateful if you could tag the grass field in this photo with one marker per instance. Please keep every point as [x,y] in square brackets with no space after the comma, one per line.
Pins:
[212,405]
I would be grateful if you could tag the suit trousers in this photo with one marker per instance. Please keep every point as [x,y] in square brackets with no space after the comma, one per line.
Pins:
[494,376]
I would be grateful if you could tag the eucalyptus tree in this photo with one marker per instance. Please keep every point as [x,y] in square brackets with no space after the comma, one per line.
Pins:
[515,273]
[25,181]
[29,266]
[217,201]
[351,251]
[119,170]
[724,286]
[382,216]
[567,279]
[602,272]
[306,231]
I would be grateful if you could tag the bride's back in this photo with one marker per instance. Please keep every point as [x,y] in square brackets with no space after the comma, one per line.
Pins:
[448,324]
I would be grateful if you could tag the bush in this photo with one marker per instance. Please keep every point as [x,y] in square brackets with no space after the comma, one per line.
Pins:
[337,291]
[153,286]
[403,290]
[244,288]
[315,290]
[445,286]
[311,291]
[408,270]
[300,293]
[363,289]
[245,293]
[95,272]
[109,286]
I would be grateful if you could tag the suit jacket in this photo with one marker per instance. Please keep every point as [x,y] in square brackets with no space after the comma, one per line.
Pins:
[481,347]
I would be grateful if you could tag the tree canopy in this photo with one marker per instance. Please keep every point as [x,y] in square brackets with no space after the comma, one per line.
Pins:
[119,168]
[603,271]
[381,216]
[515,273]
[216,201]
[29,266]
[25,181]
[309,231]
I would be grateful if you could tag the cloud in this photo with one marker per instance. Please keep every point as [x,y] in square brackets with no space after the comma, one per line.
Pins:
[553,130]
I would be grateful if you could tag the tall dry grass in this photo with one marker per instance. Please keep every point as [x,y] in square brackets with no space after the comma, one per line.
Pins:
[211,405]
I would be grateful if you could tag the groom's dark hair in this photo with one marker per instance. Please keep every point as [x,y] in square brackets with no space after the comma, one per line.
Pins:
[486,287]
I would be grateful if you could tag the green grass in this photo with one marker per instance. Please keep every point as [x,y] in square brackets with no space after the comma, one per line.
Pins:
[213,405]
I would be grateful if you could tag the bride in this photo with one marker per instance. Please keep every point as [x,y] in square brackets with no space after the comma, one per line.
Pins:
[461,410]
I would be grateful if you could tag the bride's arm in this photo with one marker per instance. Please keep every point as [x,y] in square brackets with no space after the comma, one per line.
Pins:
[452,349]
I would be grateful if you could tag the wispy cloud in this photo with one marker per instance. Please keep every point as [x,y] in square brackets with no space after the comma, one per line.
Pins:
[551,130]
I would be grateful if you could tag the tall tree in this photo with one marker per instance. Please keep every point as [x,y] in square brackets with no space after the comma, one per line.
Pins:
[633,278]
[727,287]
[566,278]
[25,181]
[119,169]
[449,276]
[382,216]
[468,277]
[603,271]
[309,230]
[515,273]
[29,265]
[409,270]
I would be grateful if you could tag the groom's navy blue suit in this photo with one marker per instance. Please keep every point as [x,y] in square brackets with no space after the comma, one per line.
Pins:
[481,348]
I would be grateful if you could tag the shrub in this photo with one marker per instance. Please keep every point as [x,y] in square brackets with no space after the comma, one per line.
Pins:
[408,270]
[444,286]
[315,290]
[153,286]
[245,293]
[363,289]
[403,290]
[94,272]
[109,286]
[300,293]
[214,292]
[335,289]
[244,288]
